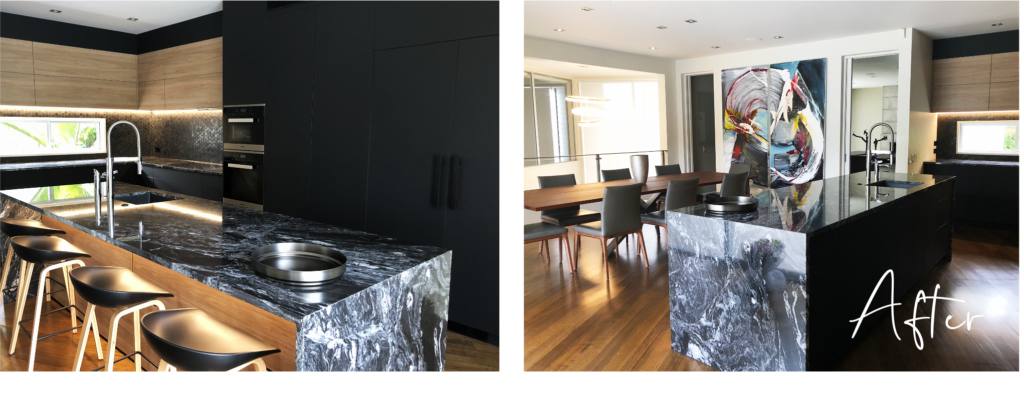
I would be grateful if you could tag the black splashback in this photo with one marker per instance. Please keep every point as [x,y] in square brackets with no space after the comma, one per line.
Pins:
[945,134]
[185,135]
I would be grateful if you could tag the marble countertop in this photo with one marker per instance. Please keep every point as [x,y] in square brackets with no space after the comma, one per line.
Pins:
[974,162]
[158,162]
[821,204]
[210,243]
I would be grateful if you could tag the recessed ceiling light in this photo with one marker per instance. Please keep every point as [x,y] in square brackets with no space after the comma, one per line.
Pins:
[588,9]
[993,25]
[559,30]
[662,27]
[752,39]
[56,11]
[691,21]
[653,47]
[133,19]
[715,47]
[778,37]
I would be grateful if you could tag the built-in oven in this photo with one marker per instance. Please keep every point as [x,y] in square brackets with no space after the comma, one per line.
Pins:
[243,127]
[243,178]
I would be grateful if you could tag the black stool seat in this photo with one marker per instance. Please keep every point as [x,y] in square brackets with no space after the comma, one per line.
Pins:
[114,287]
[45,249]
[191,340]
[23,227]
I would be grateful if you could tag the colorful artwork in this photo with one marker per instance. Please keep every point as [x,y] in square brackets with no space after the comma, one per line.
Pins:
[745,102]
[775,121]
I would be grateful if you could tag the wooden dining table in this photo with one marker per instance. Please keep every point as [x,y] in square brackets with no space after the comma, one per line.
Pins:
[565,196]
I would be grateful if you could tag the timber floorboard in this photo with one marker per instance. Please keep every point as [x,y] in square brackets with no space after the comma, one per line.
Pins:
[580,322]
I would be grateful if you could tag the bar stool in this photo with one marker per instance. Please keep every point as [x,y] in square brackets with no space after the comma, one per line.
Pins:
[190,340]
[21,227]
[43,250]
[117,288]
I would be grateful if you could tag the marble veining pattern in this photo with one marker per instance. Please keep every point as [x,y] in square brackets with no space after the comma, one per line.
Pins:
[399,324]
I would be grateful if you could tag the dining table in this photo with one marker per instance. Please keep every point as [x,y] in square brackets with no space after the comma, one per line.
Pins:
[557,197]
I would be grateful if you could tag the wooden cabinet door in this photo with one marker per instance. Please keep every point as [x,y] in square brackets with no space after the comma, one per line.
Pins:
[407,23]
[17,89]
[15,56]
[962,70]
[192,92]
[151,95]
[471,221]
[289,112]
[960,98]
[343,66]
[1004,96]
[1005,67]
[413,102]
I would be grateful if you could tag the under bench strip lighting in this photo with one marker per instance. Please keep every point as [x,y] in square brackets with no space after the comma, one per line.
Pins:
[975,113]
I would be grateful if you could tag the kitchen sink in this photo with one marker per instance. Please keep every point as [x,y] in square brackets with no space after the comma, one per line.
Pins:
[144,198]
[895,184]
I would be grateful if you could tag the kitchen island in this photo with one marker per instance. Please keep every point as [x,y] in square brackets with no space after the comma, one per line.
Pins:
[387,312]
[776,289]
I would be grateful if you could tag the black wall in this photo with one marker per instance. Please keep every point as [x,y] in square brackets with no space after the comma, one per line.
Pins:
[945,134]
[976,45]
[59,33]
[193,30]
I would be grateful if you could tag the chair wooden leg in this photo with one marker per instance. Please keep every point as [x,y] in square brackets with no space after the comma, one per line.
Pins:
[643,245]
[7,267]
[559,250]
[604,256]
[83,341]
[577,257]
[547,251]
[540,248]
[568,252]
[19,307]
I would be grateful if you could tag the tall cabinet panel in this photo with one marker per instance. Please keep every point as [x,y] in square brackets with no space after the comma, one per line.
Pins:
[342,72]
[408,23]
[471,222]
[245,52]
[288,113]
[413,102]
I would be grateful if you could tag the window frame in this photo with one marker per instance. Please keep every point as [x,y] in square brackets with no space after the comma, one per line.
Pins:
[959,137]
[100,135]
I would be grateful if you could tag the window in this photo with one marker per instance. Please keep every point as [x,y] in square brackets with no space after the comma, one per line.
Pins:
[40,136]
[547,121]
[987,137]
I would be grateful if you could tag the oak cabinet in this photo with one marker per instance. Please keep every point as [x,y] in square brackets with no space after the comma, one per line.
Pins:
[962,70]
[191,92]
[1004,96]
[960,98]
[1005,67]
[85,93]
[17,89]
[68,61]
[195,59]
[151,95]
[15,56]
[976,83]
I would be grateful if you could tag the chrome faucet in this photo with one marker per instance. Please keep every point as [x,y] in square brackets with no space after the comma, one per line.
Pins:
[870,153]
[110,176]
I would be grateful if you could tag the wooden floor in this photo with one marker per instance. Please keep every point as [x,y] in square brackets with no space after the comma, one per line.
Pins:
[58,353]
[581,322]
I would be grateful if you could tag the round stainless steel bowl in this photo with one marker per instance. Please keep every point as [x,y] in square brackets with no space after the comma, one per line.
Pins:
[298,263]
[733,204]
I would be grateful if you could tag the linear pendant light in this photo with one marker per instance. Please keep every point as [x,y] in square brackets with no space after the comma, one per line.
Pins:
[584,123]
[587,100]
[586,111]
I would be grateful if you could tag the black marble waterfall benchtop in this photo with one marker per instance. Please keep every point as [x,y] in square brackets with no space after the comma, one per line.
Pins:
[156,162]
[741,286]
[211,242]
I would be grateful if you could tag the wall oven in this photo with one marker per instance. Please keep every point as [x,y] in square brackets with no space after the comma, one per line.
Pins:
[243,128]
[243,179]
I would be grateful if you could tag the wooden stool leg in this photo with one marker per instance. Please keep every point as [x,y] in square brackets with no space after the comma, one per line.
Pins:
[640,234]
[96,336]
[163,366]
[70,291]
[7,267]
[112,340]
[138,343]
[83,341]
[19,307]
[35,321]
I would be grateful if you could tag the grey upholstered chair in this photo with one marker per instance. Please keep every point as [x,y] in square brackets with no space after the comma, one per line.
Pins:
[733,169]
[620,215]
[681,193]
[733,184]
[615,174]
[542,231]
[661,170]
[564,216]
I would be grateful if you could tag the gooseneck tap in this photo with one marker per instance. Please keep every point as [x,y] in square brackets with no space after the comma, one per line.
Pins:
[110,174]
[870,152]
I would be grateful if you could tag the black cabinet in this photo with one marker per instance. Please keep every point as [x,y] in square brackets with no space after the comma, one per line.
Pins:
[287,138]
[342,85]
[199,185]
[413,102]
[471,222]
[244,52]
[407,23]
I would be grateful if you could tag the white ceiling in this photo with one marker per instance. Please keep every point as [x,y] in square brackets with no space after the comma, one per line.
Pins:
[876,71]
[573,70]
[113,15]
[632,26]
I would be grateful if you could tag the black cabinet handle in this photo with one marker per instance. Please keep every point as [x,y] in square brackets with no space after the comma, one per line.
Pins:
[453,184]
[435,194]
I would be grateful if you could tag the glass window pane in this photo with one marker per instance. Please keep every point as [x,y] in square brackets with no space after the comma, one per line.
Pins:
[998,138]
[21,137]
[73,135]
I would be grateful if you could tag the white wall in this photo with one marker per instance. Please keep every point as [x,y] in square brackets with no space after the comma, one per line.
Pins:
[923,123]
[865,111]
[833,51]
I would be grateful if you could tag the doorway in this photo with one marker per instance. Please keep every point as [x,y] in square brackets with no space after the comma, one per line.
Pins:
[871,90]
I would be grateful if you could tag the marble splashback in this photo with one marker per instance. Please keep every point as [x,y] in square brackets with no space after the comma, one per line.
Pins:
[184,135]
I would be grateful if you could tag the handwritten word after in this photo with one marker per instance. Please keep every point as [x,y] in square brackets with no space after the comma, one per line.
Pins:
[912,322]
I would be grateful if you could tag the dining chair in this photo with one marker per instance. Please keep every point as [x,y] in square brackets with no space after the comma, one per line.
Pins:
[681,193]
[733,169]
[733,184]
[541,232]
[620,216]
[661,170]
[564,216]
[615,174]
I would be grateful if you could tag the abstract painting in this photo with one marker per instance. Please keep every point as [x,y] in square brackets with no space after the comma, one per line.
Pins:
[797,106]
[774,121]
[746,119]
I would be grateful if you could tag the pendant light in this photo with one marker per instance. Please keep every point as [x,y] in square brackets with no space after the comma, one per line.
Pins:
[588,111]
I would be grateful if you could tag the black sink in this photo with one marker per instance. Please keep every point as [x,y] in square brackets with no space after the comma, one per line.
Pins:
[895,184]
[144,198]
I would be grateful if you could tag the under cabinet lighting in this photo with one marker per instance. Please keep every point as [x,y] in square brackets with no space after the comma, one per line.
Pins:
[48,108]
[974,113]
